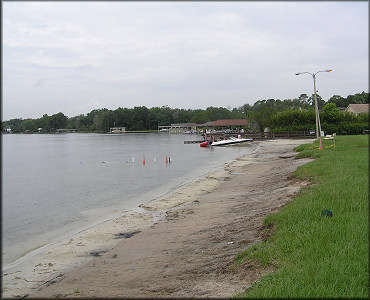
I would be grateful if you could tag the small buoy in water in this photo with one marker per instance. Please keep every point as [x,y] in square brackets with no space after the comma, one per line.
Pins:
[166,160]
[169,159]
[143,159]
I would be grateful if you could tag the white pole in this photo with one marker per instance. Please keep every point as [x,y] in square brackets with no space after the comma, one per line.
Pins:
[318,134]
[317,116]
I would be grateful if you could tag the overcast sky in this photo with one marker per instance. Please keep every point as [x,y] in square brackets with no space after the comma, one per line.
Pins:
[75,57]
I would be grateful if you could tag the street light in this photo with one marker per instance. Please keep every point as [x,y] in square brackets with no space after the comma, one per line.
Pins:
[318,125]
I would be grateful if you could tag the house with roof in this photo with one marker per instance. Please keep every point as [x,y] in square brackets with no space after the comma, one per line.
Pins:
[229,125]
[358,108]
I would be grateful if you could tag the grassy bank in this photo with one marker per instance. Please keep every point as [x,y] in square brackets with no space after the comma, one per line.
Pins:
[315,255]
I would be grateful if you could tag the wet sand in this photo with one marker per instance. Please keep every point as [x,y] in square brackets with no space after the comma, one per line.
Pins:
[182,245]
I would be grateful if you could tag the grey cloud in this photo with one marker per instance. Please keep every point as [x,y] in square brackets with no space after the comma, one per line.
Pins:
[178,53]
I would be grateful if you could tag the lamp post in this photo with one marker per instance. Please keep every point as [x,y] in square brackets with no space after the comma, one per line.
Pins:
[318,125]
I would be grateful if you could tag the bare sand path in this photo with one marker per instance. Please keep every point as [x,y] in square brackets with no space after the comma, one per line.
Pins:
[189,252]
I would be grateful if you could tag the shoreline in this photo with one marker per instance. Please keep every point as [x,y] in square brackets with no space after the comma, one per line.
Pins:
[73,249]
[98,241]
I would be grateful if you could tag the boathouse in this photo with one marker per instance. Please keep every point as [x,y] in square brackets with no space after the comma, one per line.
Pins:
[229,125]
[225,126]
[117,130]
[183,128]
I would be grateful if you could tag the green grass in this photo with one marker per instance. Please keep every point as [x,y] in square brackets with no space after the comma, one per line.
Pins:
[316,256]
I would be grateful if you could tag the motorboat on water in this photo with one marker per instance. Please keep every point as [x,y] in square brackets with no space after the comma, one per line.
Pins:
[230,141]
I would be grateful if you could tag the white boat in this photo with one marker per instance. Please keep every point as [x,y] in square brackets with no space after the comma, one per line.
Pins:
[230,141]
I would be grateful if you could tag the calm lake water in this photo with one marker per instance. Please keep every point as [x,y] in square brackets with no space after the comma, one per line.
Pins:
[54,184]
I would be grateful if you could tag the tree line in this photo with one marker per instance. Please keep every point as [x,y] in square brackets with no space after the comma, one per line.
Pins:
[288,114]
[299,114]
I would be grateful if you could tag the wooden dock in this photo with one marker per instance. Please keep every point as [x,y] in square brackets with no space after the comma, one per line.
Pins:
[281,135]
[194,142]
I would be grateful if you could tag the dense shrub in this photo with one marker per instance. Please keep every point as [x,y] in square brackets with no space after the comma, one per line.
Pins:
[332,121]
[293,118]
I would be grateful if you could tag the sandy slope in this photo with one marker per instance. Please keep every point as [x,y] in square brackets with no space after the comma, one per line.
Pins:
[186,253]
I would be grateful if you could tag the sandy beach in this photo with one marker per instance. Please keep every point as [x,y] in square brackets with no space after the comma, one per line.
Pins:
[181,245]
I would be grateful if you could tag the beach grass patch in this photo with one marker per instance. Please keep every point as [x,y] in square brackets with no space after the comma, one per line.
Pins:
[318,254]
